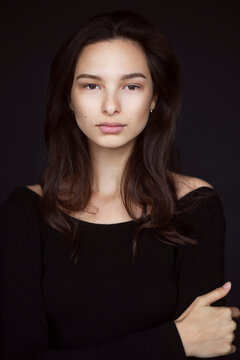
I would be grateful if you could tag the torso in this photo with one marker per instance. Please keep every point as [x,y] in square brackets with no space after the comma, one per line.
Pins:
[108,212]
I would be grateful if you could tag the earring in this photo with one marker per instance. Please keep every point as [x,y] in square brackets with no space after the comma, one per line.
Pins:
[151,110]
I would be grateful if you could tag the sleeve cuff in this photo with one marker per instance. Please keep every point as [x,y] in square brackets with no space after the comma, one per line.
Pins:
[166,342]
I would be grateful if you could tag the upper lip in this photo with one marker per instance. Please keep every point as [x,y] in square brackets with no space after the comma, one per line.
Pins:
[111,124]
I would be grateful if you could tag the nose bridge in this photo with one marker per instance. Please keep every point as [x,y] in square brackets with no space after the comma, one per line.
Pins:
[111,102]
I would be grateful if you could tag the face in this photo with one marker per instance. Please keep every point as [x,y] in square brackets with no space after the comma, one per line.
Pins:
[111,97]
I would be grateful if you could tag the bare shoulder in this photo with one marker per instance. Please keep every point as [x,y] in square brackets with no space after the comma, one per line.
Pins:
[36,188]
[186,184]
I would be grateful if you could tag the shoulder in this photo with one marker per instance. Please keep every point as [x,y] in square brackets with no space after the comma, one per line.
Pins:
[186,184]
[206,206]
[19,201]
[36,188]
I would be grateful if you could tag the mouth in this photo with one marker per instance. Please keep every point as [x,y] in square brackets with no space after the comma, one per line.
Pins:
[111,129]
[111,124]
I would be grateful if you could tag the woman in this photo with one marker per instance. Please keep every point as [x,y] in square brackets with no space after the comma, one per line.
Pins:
[114,255]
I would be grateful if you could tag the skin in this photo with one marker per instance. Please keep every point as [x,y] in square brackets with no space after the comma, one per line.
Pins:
[113,100]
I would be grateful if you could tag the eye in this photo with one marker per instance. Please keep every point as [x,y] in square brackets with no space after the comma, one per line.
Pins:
[136,86]
[85,86]
[133,87]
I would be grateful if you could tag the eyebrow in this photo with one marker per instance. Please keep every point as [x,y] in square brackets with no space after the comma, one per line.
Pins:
[126,76]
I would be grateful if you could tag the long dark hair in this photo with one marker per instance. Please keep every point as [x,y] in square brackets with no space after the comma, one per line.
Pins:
[148,177]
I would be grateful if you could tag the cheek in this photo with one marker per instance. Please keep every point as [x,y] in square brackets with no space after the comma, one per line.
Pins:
[78,102]
[81,111]
[140,112]
[138,104]
[138,120]
[86,109]
[82,120]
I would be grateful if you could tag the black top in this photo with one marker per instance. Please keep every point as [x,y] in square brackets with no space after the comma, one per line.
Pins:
[103,307]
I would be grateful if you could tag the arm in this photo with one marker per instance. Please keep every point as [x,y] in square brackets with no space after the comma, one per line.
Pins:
[24,324]
[201,267]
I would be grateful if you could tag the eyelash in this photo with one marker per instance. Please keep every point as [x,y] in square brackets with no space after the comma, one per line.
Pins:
[85,86]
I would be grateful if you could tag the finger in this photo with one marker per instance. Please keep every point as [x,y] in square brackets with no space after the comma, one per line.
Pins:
[214,295]
[235,312]
[185,313]
[233,349]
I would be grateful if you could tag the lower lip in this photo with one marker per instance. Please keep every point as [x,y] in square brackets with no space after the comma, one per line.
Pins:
[110,129]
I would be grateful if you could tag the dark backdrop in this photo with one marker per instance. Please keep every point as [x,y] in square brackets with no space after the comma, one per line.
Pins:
[205,37]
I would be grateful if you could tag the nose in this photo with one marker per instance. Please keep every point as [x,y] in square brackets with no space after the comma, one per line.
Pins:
[111,104]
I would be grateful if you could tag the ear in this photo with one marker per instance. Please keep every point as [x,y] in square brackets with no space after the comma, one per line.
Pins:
[154,101]
[70,105]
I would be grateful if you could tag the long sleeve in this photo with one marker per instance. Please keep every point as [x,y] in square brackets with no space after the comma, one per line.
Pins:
[24,326]
[201,267]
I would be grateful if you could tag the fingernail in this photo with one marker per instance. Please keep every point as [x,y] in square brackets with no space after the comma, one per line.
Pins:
[227,285]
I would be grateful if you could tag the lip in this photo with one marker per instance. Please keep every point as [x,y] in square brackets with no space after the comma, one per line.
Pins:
[111,124]
[113,129]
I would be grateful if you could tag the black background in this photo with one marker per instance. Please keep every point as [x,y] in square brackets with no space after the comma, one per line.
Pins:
[205,36]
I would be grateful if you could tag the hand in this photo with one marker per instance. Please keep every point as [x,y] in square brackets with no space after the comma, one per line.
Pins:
[207,331]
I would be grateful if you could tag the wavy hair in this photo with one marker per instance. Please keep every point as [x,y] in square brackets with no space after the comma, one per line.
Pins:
[149,174]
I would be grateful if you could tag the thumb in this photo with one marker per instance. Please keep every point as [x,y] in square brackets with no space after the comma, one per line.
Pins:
[216,294]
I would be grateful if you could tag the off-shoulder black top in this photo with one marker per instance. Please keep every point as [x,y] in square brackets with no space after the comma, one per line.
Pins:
[102,307]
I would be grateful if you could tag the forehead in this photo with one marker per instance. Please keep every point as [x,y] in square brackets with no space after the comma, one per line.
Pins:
[118,56]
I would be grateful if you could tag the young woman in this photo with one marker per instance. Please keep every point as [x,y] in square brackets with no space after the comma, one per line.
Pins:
[113,254]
